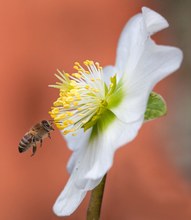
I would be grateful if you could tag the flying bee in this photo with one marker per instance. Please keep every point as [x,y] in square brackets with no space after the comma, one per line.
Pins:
[36,134]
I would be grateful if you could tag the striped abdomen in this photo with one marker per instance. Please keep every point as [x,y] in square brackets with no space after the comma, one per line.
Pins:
[26,142]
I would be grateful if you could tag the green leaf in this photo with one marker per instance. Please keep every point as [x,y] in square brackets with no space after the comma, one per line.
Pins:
[156,107]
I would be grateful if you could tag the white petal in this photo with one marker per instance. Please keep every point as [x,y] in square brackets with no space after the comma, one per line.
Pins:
[115,136]
[108,72]
[156,63]
[76,142]
[71,196]
[92,162]
[98,154]
[81,138]
[134,36]
[72,161]
[131,44]
[142,63]
[154,22]
[69,199]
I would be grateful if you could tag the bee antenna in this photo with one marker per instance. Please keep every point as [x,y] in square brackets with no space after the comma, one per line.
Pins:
[56,122]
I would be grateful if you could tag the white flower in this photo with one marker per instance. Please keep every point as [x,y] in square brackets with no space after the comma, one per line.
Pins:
[101,110]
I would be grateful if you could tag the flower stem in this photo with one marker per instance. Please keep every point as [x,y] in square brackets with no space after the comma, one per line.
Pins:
[94,208]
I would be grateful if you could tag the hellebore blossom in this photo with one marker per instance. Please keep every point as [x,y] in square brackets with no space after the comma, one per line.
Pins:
[99,110]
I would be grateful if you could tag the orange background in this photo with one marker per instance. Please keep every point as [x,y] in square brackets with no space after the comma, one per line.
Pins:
[146,182]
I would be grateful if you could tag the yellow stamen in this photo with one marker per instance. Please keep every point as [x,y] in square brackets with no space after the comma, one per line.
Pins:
[71,110]
[70,113]
[75,103]
[69,99]
[77,75]
[66,106]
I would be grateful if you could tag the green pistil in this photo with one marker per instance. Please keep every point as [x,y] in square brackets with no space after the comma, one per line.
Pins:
[100,111]
[113,97]
[102,123]
[116,96]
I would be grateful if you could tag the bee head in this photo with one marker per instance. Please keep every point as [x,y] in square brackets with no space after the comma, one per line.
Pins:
[47,125]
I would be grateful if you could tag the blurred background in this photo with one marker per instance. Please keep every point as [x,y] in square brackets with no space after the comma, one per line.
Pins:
[151,177]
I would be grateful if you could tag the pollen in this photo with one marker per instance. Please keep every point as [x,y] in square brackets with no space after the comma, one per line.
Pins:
[82,97]
[75,103]
[66,105]
[77,75]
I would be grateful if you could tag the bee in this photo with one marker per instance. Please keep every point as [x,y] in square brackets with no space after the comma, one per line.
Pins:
[35,135]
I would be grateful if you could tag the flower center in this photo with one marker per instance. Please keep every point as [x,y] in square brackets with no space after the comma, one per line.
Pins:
[83,97]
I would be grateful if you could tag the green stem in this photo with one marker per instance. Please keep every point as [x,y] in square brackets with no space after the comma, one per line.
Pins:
[94,208]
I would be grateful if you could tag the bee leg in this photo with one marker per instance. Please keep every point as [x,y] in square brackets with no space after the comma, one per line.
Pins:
[49,135]
[33,150]
[40,142]
[34,147]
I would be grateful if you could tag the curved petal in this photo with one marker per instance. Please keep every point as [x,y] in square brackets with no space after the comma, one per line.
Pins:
[156,63]
[142,63]
[81,138]
[154,22]
[96,158]
[104,147]
[71,196]
[92,162]
[69,199]
[134,36]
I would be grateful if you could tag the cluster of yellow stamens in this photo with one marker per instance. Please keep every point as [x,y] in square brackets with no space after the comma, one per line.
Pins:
[82,94]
